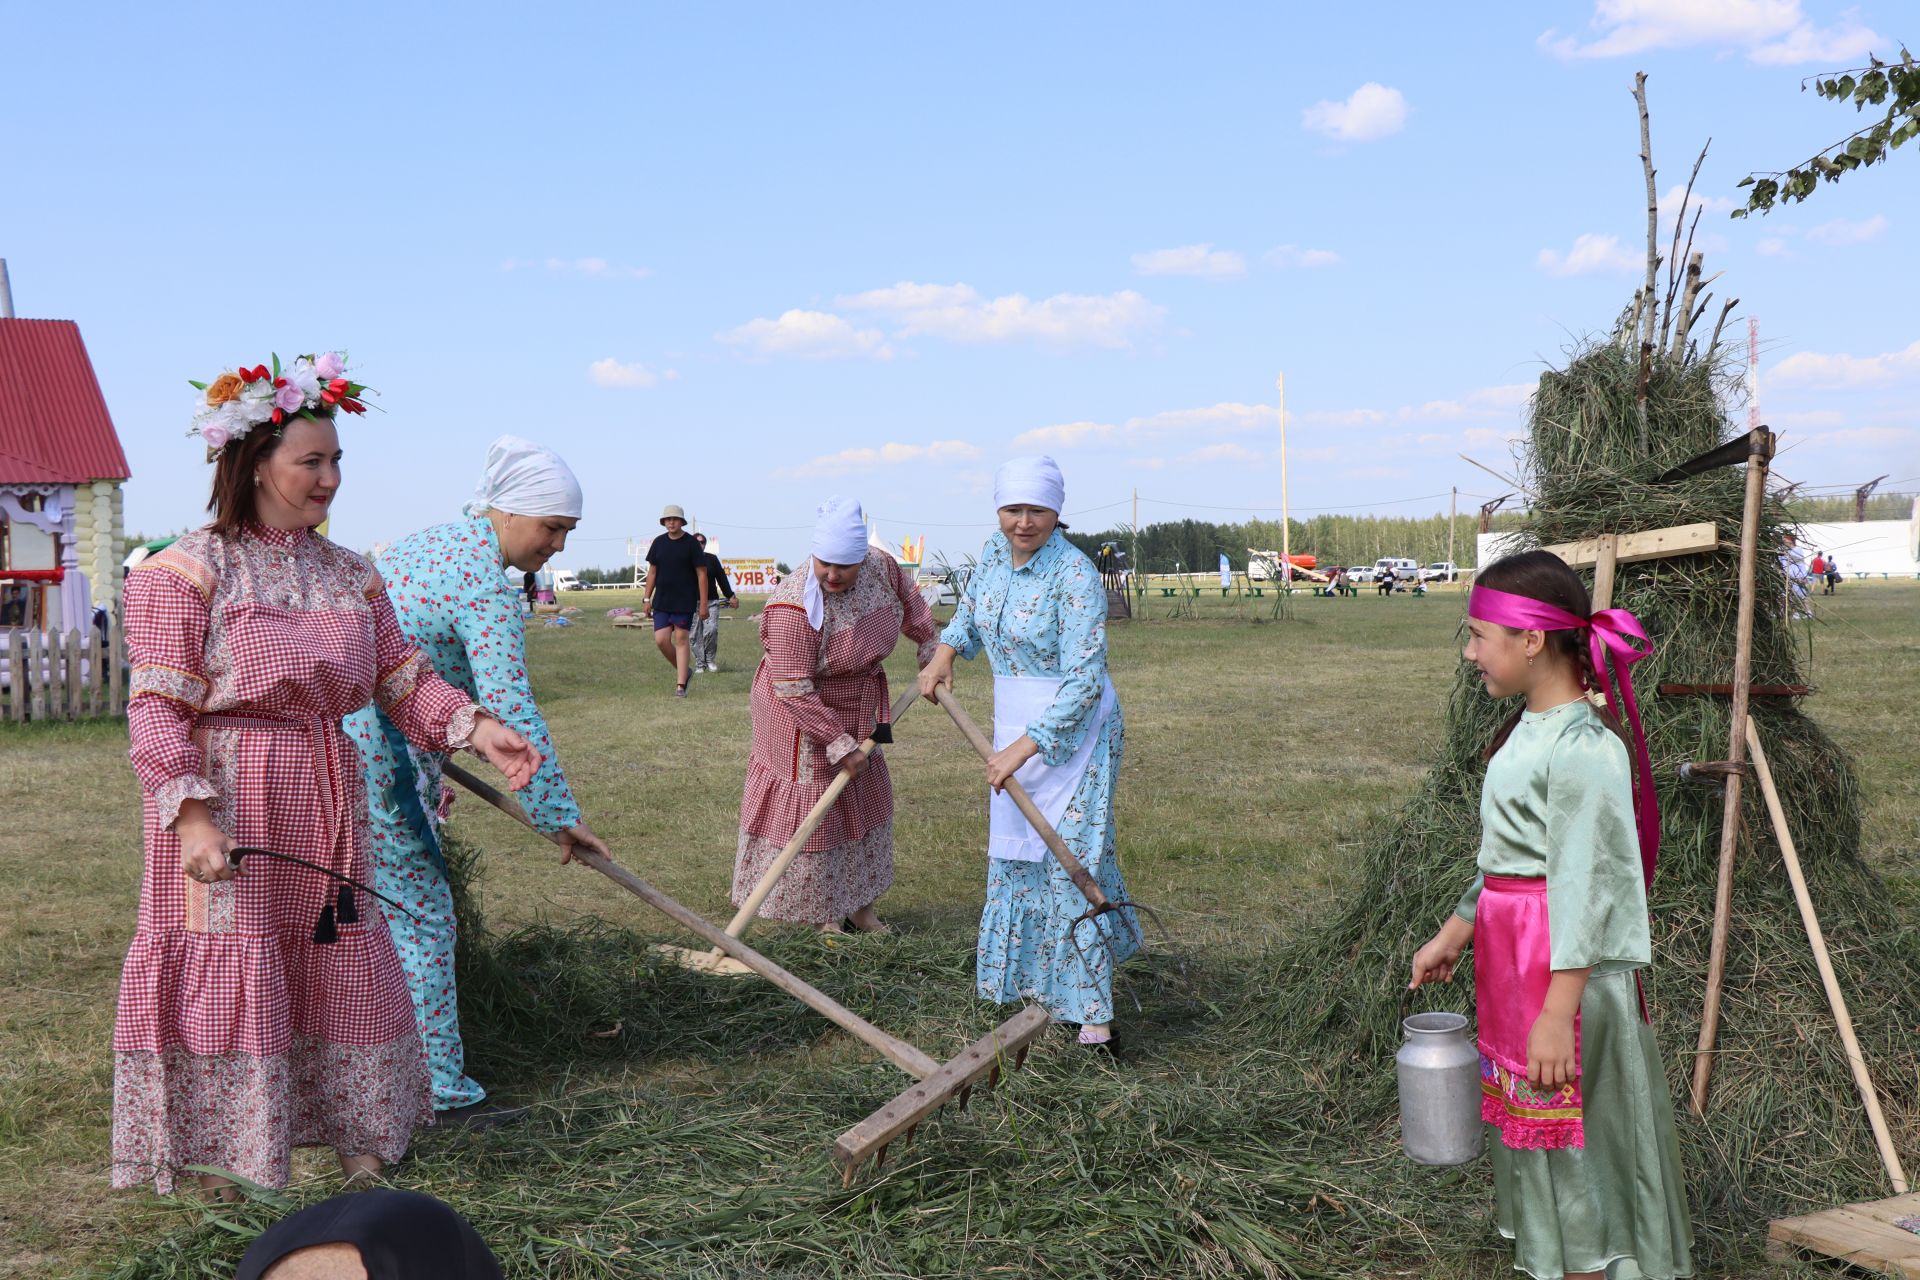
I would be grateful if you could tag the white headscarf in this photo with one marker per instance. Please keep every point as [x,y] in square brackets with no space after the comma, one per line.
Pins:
[526,479]
[1030,482]
[839,537]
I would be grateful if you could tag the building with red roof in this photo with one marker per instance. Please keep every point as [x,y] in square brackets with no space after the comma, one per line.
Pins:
[62,523]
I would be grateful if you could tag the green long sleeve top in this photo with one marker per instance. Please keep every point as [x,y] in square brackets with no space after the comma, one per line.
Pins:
[1558,802]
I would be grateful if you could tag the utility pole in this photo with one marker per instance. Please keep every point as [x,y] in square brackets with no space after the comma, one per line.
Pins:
[1134,558]
[1286,525]
[6,293]
[1453,517]
[1860,497]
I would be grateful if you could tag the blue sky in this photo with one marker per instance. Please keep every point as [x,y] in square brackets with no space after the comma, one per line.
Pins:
[741,257]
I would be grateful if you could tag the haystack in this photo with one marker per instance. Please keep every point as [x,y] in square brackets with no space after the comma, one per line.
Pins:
[1784,1130]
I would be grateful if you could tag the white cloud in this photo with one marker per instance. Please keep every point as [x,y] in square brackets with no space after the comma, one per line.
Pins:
[1590,252]
[1371,111]
[815,335]
[1806,418]
[1699,200]
[1226,419]
[1840,231]
[1235,432]
[1862,437]
[1772,32]
[1842,42]
[890,454]
[958,313]
[596,267]
[1815,369]
[1226,451]
[1484,402]
[1067,435]
[614,373]
[1201,260]
[1292,255]
[1771,247]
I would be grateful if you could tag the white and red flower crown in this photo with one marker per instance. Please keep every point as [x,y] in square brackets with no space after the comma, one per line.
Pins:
[241,399]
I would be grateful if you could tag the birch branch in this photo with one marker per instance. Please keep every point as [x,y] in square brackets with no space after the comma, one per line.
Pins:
[1653,256]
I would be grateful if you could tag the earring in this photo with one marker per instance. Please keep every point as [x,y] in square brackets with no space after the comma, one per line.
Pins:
[256,477]
[1529,659]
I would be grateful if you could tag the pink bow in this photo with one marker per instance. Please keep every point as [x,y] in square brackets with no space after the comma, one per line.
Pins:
[1610,632]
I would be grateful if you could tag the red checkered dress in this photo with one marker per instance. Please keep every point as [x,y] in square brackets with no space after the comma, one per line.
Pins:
[816,695]
[239,1037]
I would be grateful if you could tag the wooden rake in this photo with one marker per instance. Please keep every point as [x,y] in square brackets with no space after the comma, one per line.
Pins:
[937,1083]
[717,961]
[1098,904]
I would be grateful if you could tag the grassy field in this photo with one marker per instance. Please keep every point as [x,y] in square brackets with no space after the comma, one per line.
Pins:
[681,1125]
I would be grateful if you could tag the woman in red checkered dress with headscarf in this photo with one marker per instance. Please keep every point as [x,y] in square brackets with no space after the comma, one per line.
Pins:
[264,1009]
[819,691]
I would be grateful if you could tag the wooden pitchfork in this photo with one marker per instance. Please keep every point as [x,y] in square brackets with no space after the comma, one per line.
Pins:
[1098,902]
[716,961]
[937,1082]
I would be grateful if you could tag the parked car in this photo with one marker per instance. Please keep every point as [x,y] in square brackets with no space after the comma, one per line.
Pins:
[1441,571]
[1404,570]
[1360,573]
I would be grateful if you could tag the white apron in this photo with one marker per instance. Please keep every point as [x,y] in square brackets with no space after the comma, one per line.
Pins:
[1017,701]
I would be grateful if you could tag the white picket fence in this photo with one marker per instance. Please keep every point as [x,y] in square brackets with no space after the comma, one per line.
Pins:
[62,677]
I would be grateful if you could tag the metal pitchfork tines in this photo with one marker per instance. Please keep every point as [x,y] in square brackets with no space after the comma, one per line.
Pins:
[1098,902]
[983,1060]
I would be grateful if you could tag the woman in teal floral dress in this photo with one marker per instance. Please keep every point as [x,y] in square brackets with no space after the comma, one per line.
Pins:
[1037,608]
[452,597]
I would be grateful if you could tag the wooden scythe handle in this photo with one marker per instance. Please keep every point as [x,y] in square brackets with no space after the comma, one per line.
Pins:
[808,825]
[898,1052]
[1028,809]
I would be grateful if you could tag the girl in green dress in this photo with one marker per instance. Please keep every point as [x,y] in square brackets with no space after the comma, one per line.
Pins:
[1586,1168]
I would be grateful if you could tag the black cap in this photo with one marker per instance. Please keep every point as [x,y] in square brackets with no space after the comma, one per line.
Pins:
[401,1235]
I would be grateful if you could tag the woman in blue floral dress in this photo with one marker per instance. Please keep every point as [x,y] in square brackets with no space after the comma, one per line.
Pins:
[1037,608]
[450,591]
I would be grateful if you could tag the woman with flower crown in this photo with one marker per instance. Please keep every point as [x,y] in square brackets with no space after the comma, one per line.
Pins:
[262,1006]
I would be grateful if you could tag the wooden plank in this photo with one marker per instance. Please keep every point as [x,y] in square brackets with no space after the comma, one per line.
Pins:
[76,688]
[16,675]
[1606,555]
[989,1053]
[36,675]
[117,673]
[1854,1238]
[96,673]
[1629,548]
[1726,690]
[1892,1207]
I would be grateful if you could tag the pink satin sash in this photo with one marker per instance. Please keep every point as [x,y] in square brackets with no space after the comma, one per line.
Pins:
[1512,965]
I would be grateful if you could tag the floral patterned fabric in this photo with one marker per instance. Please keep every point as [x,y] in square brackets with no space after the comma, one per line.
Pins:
[452,598]
[237,1035]
[815,697]
[1049,618]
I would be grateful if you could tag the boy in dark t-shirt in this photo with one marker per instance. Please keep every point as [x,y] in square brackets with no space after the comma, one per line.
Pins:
[676,592]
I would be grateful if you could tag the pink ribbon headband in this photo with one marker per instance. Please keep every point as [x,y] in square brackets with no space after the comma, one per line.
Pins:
[1610,633]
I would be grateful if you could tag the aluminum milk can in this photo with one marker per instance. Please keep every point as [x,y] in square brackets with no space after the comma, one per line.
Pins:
[1439,1070]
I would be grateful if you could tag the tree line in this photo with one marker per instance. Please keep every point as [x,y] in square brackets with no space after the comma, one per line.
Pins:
[1196,545]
